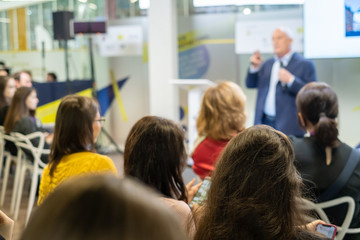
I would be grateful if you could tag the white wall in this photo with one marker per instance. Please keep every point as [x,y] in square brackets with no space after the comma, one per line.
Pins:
[135,92]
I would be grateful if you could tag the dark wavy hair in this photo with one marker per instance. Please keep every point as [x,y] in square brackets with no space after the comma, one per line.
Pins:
[155,154]
[255,190]
[73,128]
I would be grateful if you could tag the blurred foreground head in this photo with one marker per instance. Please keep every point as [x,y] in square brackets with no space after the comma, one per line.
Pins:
[102,207]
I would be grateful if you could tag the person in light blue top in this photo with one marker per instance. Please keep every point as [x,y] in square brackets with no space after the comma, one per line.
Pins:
[278,81]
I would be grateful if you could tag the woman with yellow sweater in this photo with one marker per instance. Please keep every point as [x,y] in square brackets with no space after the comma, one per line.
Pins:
[77,126]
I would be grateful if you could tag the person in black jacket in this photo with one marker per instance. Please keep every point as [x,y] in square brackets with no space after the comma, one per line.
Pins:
[321,157]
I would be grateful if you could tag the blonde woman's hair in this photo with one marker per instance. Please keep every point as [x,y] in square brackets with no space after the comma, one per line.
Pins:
[222,113]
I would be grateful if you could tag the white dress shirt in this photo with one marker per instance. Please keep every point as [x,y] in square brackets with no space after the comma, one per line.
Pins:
[270,106]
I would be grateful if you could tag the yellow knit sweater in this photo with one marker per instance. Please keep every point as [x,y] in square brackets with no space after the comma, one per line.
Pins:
[73,165]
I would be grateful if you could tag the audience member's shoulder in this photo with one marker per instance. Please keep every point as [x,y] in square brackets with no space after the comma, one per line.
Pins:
[301,140]
[101,156]
[173,203]
[345,146]
[103,163]
[26,122]
[90,157]
[26,119]
[24,125]
[292,138]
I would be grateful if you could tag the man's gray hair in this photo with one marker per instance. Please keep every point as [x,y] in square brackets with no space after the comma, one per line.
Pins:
[287,31]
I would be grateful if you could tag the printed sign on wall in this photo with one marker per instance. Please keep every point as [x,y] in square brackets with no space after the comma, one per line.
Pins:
[121,41]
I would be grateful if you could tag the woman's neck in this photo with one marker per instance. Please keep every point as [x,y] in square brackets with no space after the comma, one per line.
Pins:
[310,128]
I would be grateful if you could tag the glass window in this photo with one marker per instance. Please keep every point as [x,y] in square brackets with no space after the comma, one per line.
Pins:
[122,8]
[47,17]
[89,10]
[63,5]
[33,20]
[4,31]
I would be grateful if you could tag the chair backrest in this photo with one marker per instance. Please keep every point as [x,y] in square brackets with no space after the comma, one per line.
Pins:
[319,208]
[5,138]
[24,142]
[9,138]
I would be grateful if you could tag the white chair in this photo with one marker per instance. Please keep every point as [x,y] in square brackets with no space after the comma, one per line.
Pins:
[9,158]
[344,228]
[35,167]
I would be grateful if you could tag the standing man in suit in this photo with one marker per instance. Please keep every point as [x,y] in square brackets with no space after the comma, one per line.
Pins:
[278,80]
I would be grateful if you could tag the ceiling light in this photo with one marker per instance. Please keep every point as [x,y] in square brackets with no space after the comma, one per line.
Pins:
[247,11]
[144,4]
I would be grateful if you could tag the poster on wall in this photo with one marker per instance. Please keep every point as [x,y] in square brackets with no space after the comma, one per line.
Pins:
[352,18]
[256,35]
[336,33]
[121,41]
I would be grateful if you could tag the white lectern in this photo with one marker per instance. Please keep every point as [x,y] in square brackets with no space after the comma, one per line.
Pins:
[195,89]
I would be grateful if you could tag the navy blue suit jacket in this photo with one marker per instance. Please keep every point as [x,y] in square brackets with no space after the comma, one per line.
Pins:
[286,113]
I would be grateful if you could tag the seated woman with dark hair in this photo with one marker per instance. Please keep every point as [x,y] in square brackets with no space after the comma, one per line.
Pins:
[102,207]
[155,154]
[322,157]
[77,126]
[20,118]
[222,116]
[255,191]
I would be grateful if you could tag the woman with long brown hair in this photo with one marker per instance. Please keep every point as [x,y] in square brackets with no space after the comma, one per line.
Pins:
[155,154]
[77,126]
[255,191]
[20,118]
